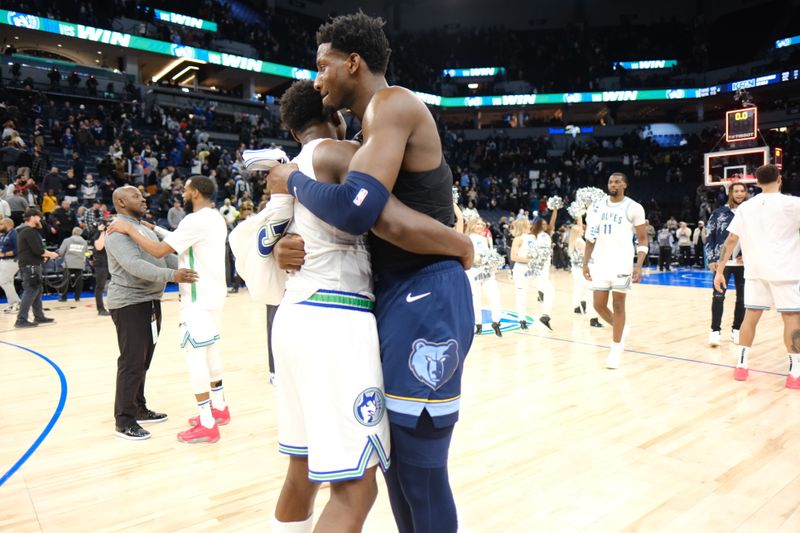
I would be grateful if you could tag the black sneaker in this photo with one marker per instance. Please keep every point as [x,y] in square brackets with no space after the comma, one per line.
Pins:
[151,417]
[583,306]
[133,432]
[478,329]
[577,310]
[44,320]
[523,324]
[544,319]
[25,324]
[496,328]
[103,312]
[595,323]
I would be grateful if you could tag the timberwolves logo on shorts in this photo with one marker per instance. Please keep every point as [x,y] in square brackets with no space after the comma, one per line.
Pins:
[369,407]
[433,363]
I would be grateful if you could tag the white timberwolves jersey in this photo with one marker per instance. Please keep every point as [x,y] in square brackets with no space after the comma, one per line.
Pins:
[611,228]
[528,243]
[335,260]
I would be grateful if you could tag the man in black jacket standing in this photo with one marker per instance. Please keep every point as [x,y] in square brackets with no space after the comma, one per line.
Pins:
[31,255]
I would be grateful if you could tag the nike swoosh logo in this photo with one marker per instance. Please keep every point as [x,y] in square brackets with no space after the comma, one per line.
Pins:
[411,299]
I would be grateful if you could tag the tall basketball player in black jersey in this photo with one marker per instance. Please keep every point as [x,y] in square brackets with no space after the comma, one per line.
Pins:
[423,302]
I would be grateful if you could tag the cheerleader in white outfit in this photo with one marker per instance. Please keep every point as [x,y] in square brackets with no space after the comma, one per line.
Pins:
[541,272]
[522,249]
[481,275]
[581,287]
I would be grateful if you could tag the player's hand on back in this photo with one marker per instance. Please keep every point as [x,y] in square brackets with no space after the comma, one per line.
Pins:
[278,178]
[467,257]
[290,252]
[185,275]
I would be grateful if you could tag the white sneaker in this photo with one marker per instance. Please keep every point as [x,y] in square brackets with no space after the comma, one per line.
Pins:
[614,356]
[735,336]
[713,338]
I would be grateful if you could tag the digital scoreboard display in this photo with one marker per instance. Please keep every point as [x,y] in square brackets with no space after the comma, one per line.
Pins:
[741,124]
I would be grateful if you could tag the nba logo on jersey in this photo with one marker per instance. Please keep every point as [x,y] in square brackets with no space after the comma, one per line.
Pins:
[359,199]
[268,235]
[369,407]
[434,363]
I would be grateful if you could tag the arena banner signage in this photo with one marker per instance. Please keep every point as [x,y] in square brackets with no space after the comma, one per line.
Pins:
[79,31]
[788,41]
[134,42]
[475,72]
[652,64]
[184,20]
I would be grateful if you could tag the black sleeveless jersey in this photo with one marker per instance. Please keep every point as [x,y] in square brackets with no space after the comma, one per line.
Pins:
[429,192]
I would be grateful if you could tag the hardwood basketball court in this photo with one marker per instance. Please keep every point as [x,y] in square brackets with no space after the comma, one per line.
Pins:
[549,440]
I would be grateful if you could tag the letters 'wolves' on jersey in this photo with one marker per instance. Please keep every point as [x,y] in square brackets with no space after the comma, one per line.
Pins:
[611,228]
[330,385]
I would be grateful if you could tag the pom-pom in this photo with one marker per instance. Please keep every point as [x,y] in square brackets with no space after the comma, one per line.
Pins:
[555,202]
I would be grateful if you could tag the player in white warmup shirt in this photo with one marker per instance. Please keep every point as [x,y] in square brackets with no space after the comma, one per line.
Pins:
[199,241]
[768,229]
[608,257]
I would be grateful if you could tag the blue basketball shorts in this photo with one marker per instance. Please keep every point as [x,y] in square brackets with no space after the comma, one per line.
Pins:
[425,329]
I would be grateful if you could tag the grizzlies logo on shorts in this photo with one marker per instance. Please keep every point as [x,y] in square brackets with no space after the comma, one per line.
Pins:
[369,407]
[434,364]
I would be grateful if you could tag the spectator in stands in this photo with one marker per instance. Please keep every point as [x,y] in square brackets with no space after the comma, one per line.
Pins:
[175,214]
[88,190]
[665,239]
[699,237]
[91,86]
[100,267]
[49,202]
[73,250]
[71,186]
[52,183]
[684,235]
[55,78]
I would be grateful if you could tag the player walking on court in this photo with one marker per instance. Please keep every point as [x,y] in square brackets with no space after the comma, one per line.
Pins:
[717,234]
[768,229]
[607,259]
[428,295]
[199,241]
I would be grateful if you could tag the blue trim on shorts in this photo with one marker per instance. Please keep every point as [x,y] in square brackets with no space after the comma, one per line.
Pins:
[187,338]
[756,307]
[334,306]
[297,451]
[373,445]
[787,310]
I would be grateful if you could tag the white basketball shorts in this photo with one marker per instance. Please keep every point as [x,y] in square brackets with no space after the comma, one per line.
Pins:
[763,294]
[331,404]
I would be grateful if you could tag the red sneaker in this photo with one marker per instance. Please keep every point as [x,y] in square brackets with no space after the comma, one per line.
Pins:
[199,433]
[220,417]
[740,374]
[792,383]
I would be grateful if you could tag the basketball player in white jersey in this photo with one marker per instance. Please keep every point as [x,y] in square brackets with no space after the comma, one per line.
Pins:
[199,241]
[480,278]
[331,407]
[607,260]
[768,229]
[522,245]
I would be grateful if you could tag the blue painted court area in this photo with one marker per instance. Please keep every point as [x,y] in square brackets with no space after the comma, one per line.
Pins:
[683,277]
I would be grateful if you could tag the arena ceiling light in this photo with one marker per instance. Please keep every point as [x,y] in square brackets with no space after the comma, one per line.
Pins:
[184,71]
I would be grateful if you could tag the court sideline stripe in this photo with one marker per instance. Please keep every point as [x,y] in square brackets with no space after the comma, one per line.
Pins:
[62,400]
[652,354]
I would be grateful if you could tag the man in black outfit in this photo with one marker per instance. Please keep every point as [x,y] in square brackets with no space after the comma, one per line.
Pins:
[31,254]
[134,299]
[100,266]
